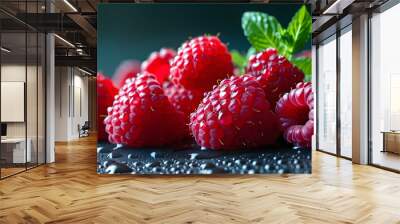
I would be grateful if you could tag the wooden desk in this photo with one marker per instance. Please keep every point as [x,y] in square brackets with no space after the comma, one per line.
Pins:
[391,141]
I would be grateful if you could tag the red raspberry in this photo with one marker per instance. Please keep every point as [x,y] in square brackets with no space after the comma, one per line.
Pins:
[275,73]
[200,63]
[159,64]
[142,116]
[185,101]
[296,113]
[235,115]
[106,91]
[127,69]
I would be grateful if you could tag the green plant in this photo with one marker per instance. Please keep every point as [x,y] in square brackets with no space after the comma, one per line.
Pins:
[264,31]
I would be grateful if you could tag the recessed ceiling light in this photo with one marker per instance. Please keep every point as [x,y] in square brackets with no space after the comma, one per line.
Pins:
[84,71]
[5,50]
[70,5]
[337,7]
[64,40]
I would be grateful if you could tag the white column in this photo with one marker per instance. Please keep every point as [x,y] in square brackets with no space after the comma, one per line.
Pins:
[360,90]
[50,92]
[50,101]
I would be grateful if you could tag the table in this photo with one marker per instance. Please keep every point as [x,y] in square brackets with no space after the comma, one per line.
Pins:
[391,141]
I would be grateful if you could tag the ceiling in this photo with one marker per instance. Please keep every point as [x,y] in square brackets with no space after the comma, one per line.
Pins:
[76,22]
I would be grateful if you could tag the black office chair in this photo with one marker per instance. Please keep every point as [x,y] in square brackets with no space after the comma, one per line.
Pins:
[84,130]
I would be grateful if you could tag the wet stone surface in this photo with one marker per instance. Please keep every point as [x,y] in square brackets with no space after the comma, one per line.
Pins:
[191,159]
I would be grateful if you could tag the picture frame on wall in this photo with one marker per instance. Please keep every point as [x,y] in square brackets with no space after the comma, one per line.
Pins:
[183,93]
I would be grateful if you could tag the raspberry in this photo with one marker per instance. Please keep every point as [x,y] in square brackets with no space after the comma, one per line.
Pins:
[106,91]
[200,63]
[275,73]
[142,116]
[159,64]
[185,101]
[127,69]
[235,115]
[296,113]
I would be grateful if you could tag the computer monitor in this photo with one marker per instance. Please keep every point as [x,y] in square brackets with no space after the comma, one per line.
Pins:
[3,129]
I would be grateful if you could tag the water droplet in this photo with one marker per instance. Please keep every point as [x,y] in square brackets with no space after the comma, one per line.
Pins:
[153,164]
[208,165]
[256,163]
[118,168]
[193,156]
[103,150]
[118,146]
[240,162]
[132,156]
[114,155]
[108,162]
[157,170]
[251,172]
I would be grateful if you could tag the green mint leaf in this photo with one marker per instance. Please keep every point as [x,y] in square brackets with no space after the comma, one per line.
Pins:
[262,30]
[304,64]
[239,60]
[299,30]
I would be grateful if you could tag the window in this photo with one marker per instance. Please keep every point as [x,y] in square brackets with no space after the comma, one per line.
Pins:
[385,89]
[327,96]
[345,42]
[22,77]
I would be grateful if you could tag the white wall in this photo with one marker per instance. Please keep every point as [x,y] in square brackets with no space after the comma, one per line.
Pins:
[61,103]
[71,94]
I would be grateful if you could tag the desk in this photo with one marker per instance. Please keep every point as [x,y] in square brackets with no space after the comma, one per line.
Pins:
[16,147]
[391,141]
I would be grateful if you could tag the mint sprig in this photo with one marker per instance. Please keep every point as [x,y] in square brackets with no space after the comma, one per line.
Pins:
[298,31]
[264,31]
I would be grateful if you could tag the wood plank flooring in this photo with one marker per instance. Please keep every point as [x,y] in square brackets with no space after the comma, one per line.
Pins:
[70,191]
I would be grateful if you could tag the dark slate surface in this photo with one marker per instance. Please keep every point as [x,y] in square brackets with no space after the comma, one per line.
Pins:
[190,159]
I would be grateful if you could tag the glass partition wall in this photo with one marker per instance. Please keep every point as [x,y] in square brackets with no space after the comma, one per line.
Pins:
[345,90]
[326,96]
[22,78]
[385,89]
[334,94]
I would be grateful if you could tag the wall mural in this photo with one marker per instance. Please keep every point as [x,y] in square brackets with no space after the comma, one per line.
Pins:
[204,89]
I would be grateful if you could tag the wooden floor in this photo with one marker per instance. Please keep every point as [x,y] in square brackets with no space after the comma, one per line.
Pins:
[10,171]
[70,191]
[387,159]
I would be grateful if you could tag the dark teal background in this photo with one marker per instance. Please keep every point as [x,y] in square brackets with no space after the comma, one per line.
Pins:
[133,31]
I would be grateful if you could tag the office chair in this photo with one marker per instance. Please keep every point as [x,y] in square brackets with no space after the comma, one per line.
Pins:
[84,130]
